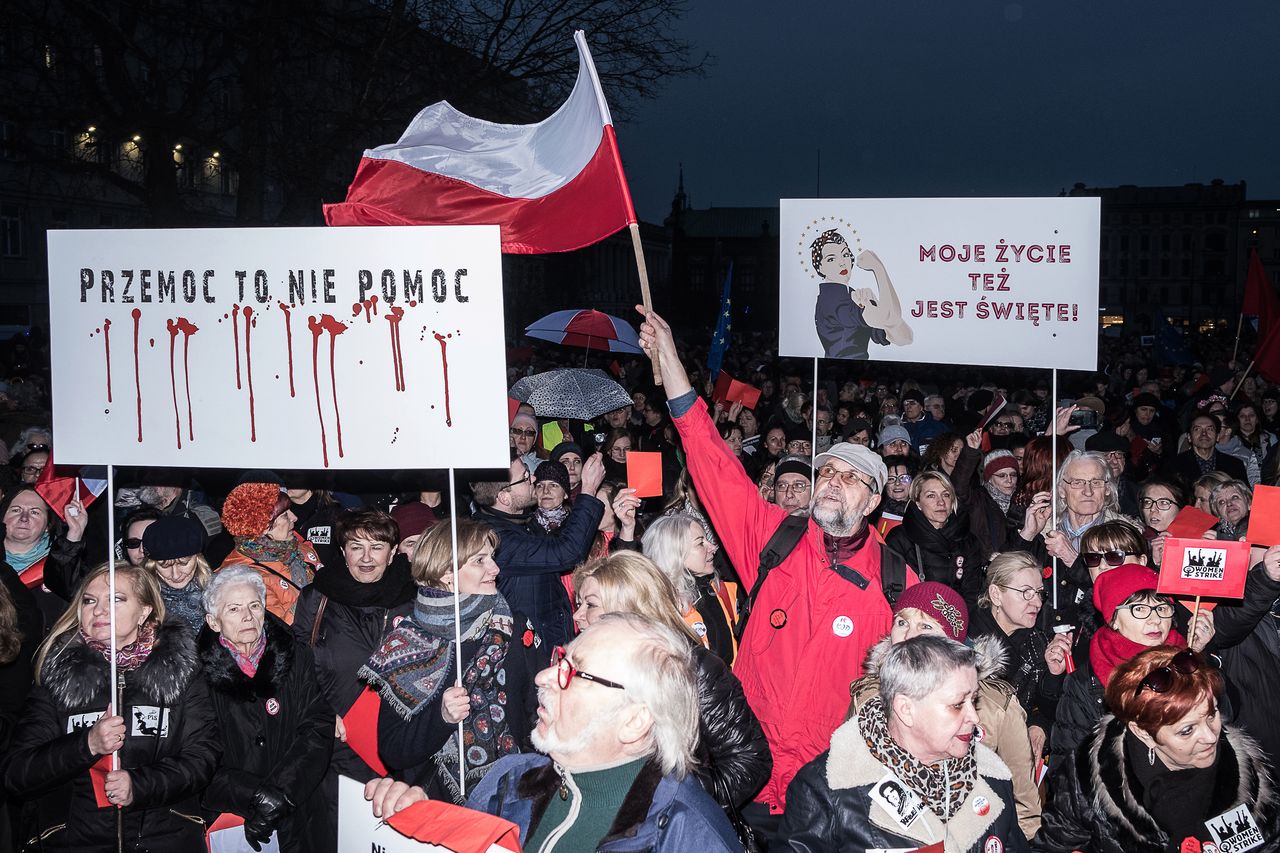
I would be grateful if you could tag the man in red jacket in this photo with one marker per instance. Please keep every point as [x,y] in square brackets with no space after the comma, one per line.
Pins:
[819,611]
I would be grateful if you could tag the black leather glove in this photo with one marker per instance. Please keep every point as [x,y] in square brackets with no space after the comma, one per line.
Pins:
[270,806]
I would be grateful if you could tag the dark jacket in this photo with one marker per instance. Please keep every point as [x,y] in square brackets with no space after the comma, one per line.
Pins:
[1247,638]
[354,618]
[951,554]
[1186,469]
[843,331]
[171,749]
[532,561]
[1037,688]
[1096,802]
[1079,709]
[408,747]
[989,524]
[658,814]
[734,760]
[829,806]
[277,728]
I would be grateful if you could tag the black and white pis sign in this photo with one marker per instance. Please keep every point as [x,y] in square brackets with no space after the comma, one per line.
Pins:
[149,721]
[1235,831]
[76,722]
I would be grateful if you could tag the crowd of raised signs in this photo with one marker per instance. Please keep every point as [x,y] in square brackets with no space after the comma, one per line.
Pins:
[893,622]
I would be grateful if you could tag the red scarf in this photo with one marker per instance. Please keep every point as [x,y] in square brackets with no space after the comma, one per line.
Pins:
[1109,648]
[130,657]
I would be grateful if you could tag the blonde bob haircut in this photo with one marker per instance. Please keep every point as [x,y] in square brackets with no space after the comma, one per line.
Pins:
[1002,569]
[919,483]
[145,586]
[632,583]
[433,555]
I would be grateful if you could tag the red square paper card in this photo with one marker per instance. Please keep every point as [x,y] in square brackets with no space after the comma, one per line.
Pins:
[1191,523]
[1210,567]
[1264,516]
[644,473]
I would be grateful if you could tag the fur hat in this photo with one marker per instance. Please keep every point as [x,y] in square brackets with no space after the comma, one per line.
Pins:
[251,508]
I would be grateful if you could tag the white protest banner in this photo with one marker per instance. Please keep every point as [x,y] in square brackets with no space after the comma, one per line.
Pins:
[279,347]
[997,281]
[360,832]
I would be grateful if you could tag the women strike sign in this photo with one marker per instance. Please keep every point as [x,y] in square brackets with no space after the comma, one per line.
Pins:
[1010,281]
[1214,568]
[279,347]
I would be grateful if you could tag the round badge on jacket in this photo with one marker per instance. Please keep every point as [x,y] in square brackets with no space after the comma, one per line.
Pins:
[778,618]
[842,626]
[992,845]
[981,806]
[273,706]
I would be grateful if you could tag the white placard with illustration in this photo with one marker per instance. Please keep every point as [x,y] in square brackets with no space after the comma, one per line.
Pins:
[279,347]
[992,281]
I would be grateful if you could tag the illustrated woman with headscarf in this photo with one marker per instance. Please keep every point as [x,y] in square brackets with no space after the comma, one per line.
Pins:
[848,319]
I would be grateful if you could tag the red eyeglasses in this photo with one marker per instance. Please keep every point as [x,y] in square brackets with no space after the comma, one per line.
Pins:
[566,672]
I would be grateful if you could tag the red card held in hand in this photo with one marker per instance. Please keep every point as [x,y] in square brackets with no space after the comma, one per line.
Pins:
[644,473]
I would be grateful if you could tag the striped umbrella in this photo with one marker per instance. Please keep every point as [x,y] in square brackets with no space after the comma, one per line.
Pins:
[585,327]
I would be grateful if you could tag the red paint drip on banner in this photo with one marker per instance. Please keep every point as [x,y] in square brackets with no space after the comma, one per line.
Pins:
[288,338]
[248,369]
[397,354]
[235,331]
[334,327]
[106,340]
[444,363]
[137,379]
[173,381]
[317,326]
[188,329]
[314,326]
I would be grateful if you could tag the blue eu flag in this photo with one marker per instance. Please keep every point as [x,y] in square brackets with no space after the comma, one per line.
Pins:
[724,323]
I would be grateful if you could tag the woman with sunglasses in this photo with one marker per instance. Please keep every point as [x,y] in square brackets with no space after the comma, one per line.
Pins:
[1137,618]
[173,545]
[415,671]
[1162,772]
[1008,610]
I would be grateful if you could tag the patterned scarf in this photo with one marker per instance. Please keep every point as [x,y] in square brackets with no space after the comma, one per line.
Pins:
[248,663]
[929,781]
[410,667]
[551,519]
[130,657]
[1002,500]
[264,549]
[27,559]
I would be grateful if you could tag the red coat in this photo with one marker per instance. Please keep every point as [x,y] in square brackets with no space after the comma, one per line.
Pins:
[810,629]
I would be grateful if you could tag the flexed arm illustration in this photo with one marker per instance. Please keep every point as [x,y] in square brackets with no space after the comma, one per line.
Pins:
[883,312]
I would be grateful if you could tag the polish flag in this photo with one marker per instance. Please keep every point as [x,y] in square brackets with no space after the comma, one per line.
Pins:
[553,186]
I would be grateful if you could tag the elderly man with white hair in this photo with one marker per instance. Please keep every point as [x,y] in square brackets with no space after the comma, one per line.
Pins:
[275,725]
[617,725]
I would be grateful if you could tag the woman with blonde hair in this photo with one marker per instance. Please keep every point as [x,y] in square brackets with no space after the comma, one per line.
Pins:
[161,723]
[173,546]
[415,669]
[734,760]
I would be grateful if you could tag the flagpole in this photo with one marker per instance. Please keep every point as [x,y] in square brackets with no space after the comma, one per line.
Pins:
[1239,326]
[111,594]
[1240,381]
[645,297]
[457,631]
[1053,479]
[813,413]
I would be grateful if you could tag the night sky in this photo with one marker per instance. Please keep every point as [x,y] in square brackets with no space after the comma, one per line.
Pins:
[961,98]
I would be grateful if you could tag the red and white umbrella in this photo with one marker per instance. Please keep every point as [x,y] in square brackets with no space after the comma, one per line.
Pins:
[586,327]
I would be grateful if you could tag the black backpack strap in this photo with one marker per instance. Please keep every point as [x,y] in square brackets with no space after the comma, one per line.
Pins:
[893,573]
[780,545]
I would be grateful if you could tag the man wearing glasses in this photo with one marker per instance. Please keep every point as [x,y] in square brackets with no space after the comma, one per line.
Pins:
[819,610]
[532,559]
[792,488]
[617,725]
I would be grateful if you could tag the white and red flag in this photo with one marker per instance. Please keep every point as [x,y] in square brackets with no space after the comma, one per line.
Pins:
[553,186]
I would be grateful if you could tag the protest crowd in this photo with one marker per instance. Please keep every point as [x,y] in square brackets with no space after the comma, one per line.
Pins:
[866,615]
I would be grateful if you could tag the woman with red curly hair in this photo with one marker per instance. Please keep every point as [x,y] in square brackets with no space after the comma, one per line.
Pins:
[1163,772]
[259,517]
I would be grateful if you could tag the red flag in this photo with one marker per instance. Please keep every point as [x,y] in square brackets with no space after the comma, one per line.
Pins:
[1259,297]
[58,487]
[456,828]
[362,729]
[553,186]
[98,776]
[1267,358]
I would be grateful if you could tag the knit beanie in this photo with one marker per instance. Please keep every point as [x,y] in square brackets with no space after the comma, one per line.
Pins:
[1114,586]
[996,461]
[173,537]
[939,602]
[413,517]
[251,507]
[554,472]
